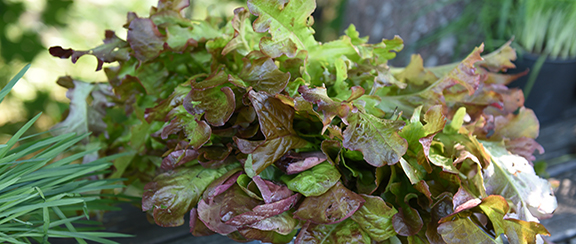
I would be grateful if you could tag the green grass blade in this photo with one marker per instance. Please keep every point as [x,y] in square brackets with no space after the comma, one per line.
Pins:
[17,136]
[68,224]
[12,82]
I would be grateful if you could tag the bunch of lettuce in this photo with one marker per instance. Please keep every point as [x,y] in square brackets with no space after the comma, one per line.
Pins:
[260,132]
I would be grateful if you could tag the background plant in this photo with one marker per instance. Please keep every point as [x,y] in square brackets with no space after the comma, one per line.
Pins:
[44,193]
[257,130]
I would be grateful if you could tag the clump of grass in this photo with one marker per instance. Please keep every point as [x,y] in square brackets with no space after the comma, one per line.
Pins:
[44,194]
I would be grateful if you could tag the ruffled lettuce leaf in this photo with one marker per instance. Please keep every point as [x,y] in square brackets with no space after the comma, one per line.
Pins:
[347,231]
[376,138]
[288,22]
[275,120]
[173,194]
[334,206]
[375,218]
[113,49]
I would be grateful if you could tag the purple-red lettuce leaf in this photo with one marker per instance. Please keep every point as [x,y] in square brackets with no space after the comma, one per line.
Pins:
[347,231]
[375,218]
[263,211]
[293,163]
[376,138]
[440,209]
[215,156]
[174,193]
[197,227]
[221,184]
[513,126]
[271,192]
[328,107]
[276,119]
[334,206]
[314,181]
[261,73]
[145,39]
[407,222]
[177,158]
[463,76]
[524,147]
[288,22]
[283,223]
[113,49]
[224,207]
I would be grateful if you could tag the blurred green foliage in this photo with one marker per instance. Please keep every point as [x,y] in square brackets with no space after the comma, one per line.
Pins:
[28,44]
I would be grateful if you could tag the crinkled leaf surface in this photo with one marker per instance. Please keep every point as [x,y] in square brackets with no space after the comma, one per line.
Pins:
[262,74]
[347,231]
[174,193]
[288,22]
[197,131]
[264,211]
[275,120]
[145,39]
[376,138]
[216,103]
[334,206]
[375,218]
[224,207]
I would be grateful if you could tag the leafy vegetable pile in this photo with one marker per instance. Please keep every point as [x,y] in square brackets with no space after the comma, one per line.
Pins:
[257,131]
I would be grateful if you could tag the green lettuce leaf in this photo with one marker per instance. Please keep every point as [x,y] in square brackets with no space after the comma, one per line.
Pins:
[375,218]
[376,138]
[175,193]
[288,23]
[315,181]
[517,231]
